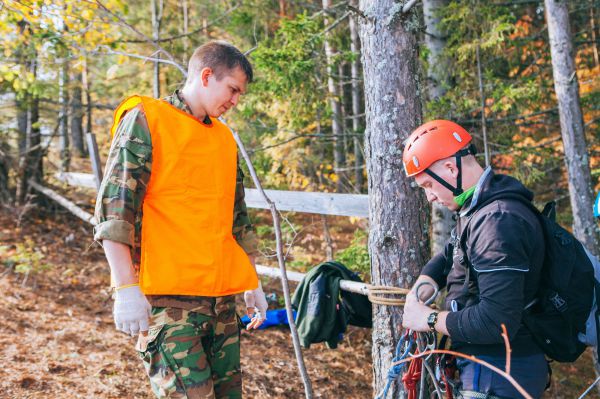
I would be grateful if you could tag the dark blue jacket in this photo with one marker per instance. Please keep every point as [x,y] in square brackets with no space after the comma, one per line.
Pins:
[500,249]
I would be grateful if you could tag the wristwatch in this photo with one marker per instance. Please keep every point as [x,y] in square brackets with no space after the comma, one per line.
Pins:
[432,319]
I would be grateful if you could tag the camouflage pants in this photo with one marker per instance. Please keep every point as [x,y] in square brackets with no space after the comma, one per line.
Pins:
[190,354]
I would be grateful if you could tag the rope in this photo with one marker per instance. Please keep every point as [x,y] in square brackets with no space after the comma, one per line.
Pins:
[395,370]
[379,295]
[420,341]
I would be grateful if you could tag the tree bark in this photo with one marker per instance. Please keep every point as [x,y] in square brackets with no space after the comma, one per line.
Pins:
[442,222]
[398,216]
[30,164]
[339,156]
[571,124]
[76,122]
[157,11]
[356,104]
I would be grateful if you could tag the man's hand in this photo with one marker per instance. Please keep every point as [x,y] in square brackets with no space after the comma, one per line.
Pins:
[256,305]
[131,311]
[415,314]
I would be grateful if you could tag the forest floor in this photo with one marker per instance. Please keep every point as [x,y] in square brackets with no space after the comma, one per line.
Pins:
[57,338]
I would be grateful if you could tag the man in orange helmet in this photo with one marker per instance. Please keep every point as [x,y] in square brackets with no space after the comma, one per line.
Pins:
[490,267]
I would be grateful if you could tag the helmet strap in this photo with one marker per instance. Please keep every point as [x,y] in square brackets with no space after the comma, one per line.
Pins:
[458,190]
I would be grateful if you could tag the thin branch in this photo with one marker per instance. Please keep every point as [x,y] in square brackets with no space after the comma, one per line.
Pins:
[280,259]
[110,51]
[409,4]
[195,31]
[146,38]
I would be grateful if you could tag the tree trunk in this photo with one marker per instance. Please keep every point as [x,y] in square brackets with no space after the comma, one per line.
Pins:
[328,239]
[398,216]
[593,30]
[157,10]
[339,156]
[437,83]
[30,165]
[356,104]
[185,30]
[63,129]
[571,124]
[76,122]
[571,127]
[88,96]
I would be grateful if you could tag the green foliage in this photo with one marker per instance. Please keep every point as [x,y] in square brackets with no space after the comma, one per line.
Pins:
[25,258]
[287,62]
[356,256]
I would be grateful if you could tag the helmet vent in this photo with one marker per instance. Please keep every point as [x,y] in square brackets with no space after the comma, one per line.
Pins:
[416,161]
[457,137]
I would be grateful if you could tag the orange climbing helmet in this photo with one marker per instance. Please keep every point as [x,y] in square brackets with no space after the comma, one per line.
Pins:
[433,141]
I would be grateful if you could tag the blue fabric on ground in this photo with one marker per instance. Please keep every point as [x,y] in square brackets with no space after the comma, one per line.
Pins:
[276,317]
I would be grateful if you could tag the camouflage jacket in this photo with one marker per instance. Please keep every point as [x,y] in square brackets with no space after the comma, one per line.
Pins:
[119,202]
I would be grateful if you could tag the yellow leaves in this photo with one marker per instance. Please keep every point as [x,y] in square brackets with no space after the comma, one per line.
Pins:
[87,14]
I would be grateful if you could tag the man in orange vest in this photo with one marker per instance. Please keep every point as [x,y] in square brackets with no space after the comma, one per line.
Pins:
[174,227]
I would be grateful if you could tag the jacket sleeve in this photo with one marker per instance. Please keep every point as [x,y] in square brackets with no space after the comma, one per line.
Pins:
[499,250]
[439,266]
[119,200]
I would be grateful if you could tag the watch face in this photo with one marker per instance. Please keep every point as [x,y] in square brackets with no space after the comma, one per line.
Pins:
[432,319]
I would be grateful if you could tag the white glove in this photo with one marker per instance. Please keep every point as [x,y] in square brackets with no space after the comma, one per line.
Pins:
[256,304]
[131,311]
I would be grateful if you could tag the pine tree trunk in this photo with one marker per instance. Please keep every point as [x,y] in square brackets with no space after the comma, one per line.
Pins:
[571,124]
[339,156]
[76,122]
[356,105]
[398,217]
[437,82]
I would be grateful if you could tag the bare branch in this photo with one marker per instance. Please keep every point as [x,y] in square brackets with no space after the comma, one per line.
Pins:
[146,38]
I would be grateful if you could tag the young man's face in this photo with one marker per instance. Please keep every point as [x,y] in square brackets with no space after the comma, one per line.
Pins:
[434,191]
[224,94]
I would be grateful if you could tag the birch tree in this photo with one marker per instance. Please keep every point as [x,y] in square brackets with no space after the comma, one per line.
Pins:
[339,155]
[356,102]
[398,239]
[571,124]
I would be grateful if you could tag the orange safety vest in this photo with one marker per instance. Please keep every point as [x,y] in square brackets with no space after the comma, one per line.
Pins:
[188,247]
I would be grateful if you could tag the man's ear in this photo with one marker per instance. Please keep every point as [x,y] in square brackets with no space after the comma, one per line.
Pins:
[451,167]
[205,73]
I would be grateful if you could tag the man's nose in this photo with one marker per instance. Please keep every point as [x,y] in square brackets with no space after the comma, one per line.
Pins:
[235,99]
[430,196]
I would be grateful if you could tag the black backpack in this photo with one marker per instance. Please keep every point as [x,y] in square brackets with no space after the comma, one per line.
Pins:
[565,300]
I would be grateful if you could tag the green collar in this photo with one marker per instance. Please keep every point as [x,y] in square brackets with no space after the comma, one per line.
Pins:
[461,199]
